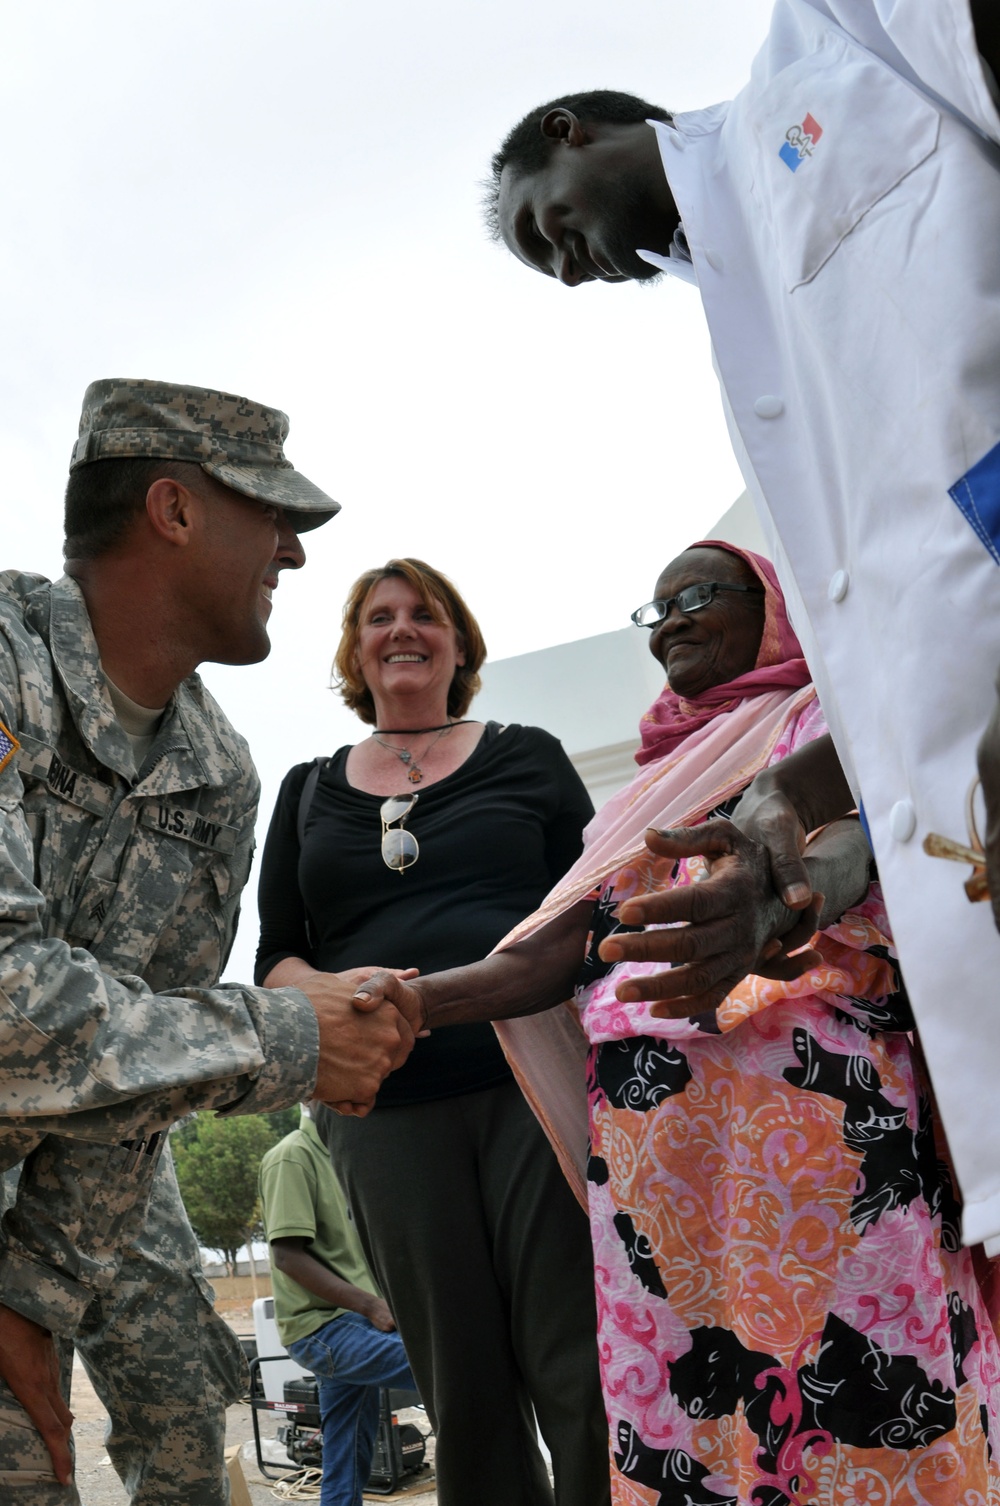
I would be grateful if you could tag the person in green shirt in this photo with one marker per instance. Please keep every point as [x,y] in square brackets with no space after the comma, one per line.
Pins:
[331,1317]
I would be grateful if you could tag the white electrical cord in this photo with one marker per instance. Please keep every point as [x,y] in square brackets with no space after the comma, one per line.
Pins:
[303,1486]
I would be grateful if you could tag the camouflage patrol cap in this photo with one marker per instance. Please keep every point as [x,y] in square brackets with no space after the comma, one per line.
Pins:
[234,440]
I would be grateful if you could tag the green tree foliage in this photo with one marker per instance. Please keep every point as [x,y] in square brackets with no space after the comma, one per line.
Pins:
[217,1163]
[283,1121]
[184,1132]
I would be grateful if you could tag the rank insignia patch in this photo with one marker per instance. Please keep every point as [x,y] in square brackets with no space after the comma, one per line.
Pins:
[9,745]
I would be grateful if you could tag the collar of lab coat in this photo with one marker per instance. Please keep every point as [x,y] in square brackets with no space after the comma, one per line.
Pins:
[672,137]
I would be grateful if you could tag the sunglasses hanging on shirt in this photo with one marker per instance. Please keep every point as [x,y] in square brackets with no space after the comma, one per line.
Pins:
[400,848]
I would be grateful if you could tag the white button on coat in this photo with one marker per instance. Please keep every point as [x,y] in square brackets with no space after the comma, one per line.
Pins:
[839,582]
[713,258]
[769,406]
[902,820]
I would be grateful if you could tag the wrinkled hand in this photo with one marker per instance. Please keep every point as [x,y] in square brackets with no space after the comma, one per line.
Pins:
[770,820]
[354,976]
[989,773]
[357,1050]
[379,1315]
[392,986]
[30,1366]
[735,924]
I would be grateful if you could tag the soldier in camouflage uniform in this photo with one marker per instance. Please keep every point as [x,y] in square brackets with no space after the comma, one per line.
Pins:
[124,853]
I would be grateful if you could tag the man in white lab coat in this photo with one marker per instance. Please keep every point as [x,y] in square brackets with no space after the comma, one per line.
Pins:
[841,220]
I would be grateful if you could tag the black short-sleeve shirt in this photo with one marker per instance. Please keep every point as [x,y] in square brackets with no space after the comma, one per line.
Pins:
[494,837]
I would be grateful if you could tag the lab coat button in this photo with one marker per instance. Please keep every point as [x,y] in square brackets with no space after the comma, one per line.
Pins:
[839,582]
[768,406]
[678,140]
[902,820]
[713,258]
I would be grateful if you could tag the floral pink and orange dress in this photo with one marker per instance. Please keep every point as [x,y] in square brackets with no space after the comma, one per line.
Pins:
[785,1312]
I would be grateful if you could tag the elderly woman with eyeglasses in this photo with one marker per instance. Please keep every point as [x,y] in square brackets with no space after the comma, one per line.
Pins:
[420,846]
[785,1312]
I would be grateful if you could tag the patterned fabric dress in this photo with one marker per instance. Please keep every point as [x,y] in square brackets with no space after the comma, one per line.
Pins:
[785,1311]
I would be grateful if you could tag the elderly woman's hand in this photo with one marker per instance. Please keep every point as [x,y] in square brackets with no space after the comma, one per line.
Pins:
[733,923]
[784,803]
[376,985]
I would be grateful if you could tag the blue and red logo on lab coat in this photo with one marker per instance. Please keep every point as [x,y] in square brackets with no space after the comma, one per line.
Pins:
[800,143]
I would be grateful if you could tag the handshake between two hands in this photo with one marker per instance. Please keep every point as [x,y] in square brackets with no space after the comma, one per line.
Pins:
[385,1018]
[755,912]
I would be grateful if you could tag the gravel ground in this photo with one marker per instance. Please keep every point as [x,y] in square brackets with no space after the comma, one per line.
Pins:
[100,1486]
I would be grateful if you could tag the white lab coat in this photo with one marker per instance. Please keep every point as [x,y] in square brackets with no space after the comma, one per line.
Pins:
[854,307]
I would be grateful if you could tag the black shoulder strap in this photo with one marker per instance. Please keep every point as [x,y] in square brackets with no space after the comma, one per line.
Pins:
[306,798]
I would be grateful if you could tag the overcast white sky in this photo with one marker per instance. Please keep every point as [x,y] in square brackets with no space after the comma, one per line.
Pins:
[283,202]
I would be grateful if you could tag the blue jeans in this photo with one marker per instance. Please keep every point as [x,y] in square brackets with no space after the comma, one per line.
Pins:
[351,1359]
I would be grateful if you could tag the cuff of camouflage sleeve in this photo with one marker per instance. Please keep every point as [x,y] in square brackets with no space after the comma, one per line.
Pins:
[289,1038]
[47,1296]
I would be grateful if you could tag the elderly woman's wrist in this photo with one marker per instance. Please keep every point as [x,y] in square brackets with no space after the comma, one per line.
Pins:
[444,1000]
[813,782]
[839,861]
[419,987]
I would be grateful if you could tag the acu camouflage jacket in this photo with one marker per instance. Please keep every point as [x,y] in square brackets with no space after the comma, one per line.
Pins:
[119,897]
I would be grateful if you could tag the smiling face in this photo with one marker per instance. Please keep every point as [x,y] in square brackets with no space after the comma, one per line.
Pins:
[601,195]
[407,654]
[242,547]
[717,643]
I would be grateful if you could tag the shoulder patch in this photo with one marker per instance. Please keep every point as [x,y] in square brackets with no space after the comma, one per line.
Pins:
[9,745]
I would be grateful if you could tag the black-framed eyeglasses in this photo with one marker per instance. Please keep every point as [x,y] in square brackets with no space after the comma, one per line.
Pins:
[691,599]
[400,848]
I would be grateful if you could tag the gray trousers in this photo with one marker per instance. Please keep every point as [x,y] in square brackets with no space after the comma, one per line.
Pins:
[164,1365]
[484,1258]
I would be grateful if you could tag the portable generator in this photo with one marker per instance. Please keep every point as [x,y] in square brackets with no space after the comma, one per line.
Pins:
[301,1436]
[400,1448]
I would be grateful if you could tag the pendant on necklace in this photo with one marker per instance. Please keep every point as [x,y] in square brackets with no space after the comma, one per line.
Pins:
[415,774]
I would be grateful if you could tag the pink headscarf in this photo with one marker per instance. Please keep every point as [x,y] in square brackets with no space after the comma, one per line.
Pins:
[779,664]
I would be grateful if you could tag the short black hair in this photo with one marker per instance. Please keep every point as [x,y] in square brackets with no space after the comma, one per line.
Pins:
[103,499]
[526,149]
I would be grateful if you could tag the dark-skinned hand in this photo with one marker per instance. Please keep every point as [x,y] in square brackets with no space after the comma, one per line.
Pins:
[30,1366]
[771,820]
[408,1003]
[380,1316]
[989,773]
[733,924]
[352,977]
[785,802]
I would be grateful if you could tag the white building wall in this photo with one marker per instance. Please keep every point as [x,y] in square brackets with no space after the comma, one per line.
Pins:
[739,525]
[590,694]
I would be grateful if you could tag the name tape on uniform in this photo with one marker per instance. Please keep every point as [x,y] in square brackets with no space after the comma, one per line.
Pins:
[39,761]
[176,821]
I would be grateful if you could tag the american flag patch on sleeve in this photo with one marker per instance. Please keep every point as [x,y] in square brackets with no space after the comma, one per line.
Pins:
[8,746]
